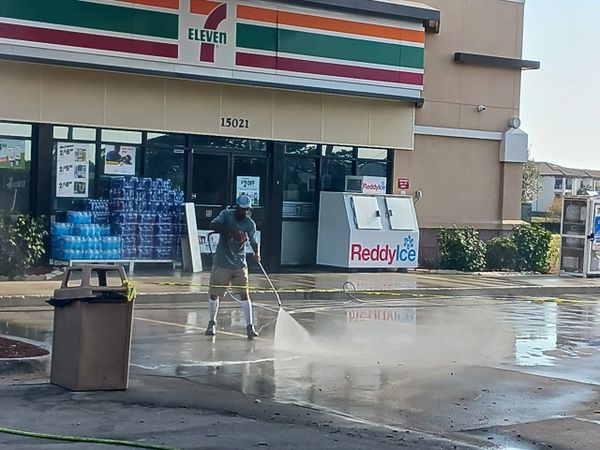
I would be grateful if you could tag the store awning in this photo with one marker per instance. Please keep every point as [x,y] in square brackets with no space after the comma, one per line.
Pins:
[396,9]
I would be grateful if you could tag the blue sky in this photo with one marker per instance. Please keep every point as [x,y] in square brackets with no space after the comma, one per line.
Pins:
[560,103]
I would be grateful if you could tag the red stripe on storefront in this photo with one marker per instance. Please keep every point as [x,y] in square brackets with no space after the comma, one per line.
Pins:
[331,69]
[85,40]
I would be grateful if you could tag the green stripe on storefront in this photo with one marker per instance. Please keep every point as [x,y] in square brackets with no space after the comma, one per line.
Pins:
[93,16]
[319,45]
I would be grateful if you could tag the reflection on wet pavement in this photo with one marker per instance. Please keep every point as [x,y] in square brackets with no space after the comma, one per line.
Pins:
[442,364]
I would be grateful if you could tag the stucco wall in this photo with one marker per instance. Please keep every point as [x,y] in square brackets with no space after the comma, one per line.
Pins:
[52,94]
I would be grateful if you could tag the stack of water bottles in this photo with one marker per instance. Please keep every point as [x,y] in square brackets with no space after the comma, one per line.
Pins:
[143,219]
[148,216]
[80,239]
[99,209]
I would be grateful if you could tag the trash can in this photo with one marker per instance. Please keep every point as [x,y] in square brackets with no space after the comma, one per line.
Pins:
[93,312]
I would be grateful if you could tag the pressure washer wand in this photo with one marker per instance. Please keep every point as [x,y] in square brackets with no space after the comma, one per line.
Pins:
[269,280]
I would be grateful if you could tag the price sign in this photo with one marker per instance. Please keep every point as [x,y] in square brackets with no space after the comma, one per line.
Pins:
[72,178]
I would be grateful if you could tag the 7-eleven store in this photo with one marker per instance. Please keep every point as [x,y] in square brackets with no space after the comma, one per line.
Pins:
[295,94]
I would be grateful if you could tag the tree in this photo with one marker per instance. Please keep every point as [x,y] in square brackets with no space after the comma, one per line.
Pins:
[553,213]
[532,184]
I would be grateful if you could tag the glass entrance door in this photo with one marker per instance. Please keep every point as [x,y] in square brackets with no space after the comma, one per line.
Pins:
[209,186]
[217,179]
[250,177]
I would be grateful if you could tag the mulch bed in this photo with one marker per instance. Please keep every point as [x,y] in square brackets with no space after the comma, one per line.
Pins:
[16,349]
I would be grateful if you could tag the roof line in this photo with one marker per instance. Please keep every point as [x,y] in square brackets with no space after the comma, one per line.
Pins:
[430,17]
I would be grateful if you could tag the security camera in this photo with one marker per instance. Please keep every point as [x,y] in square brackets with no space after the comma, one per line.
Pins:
[481,108]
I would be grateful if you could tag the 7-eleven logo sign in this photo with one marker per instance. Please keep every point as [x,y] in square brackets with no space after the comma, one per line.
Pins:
[208,34]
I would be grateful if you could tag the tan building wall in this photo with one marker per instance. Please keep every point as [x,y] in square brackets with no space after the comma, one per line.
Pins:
[463,181]
[52,94]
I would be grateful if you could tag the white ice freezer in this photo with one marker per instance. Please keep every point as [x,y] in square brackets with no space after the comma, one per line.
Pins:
[367,231]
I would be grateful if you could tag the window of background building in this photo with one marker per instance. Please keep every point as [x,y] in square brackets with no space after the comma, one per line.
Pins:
[15,167]
[569,183]
[558,183]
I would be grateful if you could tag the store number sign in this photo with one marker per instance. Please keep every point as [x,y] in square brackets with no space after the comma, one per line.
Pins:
[235,122]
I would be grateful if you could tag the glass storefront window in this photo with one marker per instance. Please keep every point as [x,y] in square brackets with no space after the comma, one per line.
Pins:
[302,149]
[372,168]
[15,129]
[165,140]
[372,153]
[228,143]
[299,180]
[333,173]
[15,167]
[122,136]
[74,133]
[168,164]
[74,174]
[60,132]
[117,160]
[337,151]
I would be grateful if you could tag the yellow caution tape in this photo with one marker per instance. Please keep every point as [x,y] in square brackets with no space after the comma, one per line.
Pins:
[131,291]
[379,293]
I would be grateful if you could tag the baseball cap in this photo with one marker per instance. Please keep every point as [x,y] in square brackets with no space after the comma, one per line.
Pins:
[244,202]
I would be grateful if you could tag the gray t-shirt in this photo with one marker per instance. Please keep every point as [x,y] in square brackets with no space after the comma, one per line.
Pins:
[230,253]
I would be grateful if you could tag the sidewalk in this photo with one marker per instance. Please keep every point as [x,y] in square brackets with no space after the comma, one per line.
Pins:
[327,285]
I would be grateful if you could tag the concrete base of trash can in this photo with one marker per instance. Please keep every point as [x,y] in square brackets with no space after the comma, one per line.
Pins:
[91,346]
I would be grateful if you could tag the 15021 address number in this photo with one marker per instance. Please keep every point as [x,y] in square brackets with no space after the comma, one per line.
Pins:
[233,122]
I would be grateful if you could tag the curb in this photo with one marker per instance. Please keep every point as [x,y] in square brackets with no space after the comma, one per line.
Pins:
[173,298]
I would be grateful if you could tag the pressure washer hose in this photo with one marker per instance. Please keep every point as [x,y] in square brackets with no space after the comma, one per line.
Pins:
[270,283]
[55,437]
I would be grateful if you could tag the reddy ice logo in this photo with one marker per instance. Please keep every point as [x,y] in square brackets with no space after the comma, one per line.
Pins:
[208,35]
[388,254]
[374,187]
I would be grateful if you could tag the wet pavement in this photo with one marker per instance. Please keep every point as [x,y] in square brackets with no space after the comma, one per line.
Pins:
[513,372]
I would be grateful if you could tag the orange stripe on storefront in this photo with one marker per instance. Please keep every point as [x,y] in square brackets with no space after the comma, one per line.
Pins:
[171,4]
[327,24]
[203,7]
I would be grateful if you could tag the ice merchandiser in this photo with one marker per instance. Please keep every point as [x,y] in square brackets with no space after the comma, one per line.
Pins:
[367,231]
[580,236]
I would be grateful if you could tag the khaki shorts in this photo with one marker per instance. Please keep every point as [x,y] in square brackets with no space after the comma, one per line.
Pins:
[221,278]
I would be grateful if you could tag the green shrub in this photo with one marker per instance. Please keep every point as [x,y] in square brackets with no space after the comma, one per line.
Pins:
[554,253]
[501,254]
[21,244]
[533,246]
[461,249]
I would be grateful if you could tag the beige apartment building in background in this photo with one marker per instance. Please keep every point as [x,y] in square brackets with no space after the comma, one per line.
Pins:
[295,94]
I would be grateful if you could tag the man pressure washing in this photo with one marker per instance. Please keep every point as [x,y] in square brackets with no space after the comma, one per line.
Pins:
[229,265]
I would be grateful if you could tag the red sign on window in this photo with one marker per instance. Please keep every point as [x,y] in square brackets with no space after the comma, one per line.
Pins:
[403,183]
